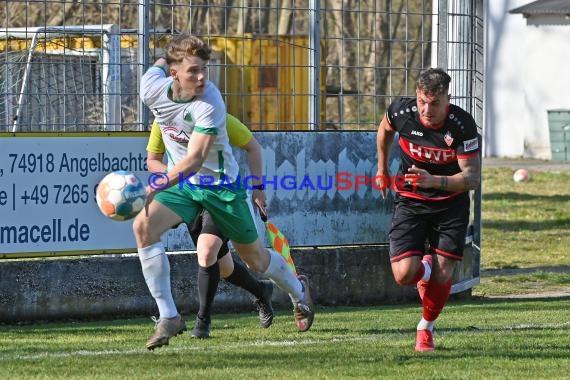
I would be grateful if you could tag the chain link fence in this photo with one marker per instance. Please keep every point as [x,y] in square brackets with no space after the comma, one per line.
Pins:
[281,65]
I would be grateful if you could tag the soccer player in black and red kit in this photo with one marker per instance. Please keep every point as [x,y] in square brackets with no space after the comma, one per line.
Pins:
[440,161]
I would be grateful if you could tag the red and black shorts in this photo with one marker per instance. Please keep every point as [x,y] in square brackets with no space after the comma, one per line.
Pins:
[440,224]
[204,223]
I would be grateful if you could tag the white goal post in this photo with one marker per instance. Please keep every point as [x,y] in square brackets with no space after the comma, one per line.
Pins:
[108,56]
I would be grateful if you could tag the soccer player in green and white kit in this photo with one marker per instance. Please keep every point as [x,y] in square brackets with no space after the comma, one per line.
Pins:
[192,118]
[214,257]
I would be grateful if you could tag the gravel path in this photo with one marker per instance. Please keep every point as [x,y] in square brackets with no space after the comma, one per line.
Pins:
[529,164]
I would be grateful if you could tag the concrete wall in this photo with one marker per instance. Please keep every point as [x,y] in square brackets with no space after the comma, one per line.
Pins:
[525,74]
[113,287]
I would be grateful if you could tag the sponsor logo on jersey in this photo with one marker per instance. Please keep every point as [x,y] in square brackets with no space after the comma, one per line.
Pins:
[417,133]
[427,154]
[175,135]
[181,137]
[169,129]
[448,138]
[469,145]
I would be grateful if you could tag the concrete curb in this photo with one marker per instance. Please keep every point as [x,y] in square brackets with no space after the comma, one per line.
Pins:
[113,287]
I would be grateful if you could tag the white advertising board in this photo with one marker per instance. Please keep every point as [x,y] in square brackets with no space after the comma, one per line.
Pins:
[318,187]
[47,191]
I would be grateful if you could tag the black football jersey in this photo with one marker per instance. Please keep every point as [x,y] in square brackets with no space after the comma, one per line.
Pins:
[433,149]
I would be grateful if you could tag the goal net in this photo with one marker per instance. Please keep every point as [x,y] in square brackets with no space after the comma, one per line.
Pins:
[60,79]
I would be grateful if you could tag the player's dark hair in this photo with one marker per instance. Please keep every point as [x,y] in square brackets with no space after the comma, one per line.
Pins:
[433,81]
[186,45]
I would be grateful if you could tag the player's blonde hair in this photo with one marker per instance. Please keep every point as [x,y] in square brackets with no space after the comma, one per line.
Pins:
[186,45]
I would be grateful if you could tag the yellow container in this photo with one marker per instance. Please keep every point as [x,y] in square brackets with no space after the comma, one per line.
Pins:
[266,80]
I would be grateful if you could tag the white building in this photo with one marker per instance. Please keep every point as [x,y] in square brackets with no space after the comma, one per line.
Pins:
[527,72]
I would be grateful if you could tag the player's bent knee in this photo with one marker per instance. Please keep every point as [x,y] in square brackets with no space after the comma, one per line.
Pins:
[255,264]
[143,233]
[139,227]
[226,265]
[403,275]
[404,280]
[226,271]
[254,255]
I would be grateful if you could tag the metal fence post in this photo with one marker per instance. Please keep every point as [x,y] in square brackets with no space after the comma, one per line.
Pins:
[314,64]
[143,56]
[442,23]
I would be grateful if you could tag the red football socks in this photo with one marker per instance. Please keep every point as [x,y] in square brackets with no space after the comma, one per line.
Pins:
[434,299]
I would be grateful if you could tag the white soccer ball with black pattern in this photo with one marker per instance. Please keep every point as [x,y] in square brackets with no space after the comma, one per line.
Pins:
[121,195]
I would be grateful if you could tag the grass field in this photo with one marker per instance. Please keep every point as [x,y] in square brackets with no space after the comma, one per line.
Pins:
[526,235]
[476,340]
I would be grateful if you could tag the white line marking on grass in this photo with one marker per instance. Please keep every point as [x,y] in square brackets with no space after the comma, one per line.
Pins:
[170,349]
[535,326]
[522,326]
[6,356]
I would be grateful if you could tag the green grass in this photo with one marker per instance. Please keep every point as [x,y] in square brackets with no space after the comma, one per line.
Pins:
[525,225]
[476,340]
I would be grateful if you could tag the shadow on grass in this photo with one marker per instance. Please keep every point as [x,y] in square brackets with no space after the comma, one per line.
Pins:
[506,304]
[512,271]
[517,225]
[514,196]
[471,329]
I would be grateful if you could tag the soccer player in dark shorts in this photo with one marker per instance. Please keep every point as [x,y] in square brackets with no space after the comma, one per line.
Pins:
[440,164]
[203,228]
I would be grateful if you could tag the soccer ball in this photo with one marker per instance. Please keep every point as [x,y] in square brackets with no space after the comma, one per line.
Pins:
[521,175]
[121,195]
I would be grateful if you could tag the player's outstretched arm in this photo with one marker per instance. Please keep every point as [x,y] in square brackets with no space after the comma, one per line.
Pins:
[384,140]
